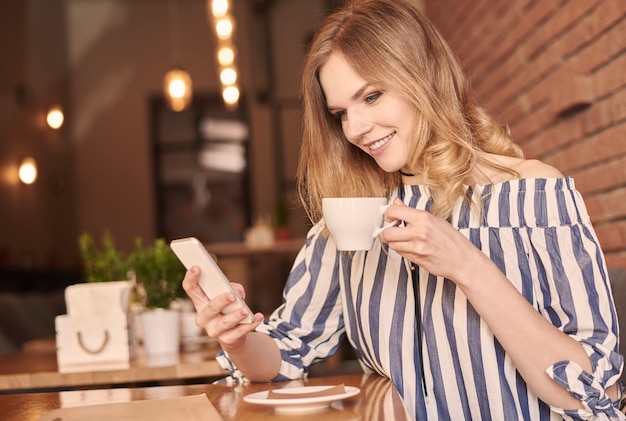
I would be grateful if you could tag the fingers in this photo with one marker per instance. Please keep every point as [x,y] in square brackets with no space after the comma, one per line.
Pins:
[229,330]
[204,306]
[193,289]
[240,289]
[397,218]
[226,328]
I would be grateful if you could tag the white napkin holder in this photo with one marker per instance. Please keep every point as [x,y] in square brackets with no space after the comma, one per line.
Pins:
[94,334]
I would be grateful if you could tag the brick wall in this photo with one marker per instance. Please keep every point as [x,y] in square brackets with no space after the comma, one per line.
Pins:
[555,72]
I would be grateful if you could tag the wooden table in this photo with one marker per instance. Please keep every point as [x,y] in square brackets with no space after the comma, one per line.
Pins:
[37,369]
[377,400]
[279,248]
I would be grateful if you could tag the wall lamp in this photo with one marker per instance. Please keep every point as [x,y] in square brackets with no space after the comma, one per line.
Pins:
[55,117]
[28,170]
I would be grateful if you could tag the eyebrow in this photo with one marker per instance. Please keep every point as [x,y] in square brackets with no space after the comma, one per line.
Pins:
[355,96]
[358,93]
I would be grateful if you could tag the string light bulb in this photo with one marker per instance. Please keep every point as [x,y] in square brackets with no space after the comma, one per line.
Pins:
[230,94]
[219,8]
[224,28]
[228,76]
[224,24]
[28,170]
[226,56]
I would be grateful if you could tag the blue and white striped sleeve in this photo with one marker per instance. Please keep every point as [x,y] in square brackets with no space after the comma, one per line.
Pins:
[574,293]
[309,324]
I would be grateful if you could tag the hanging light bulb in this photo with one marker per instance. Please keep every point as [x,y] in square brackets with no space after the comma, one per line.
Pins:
[28,170]
[55,117]
[177,89]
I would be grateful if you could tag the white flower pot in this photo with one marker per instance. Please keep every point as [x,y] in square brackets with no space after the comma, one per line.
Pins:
[161,331]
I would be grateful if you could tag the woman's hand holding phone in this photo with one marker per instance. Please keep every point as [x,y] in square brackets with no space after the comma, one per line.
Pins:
[220,306]
[230,328]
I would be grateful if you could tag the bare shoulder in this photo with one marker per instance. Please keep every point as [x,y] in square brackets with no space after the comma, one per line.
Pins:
[526,168]
[533,168]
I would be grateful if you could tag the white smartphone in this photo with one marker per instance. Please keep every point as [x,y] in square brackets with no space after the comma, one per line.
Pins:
[213,282]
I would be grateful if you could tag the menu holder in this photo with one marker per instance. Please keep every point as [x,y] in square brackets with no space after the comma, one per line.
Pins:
[95,333]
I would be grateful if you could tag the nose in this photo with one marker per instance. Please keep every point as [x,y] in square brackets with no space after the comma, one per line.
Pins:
[356,125]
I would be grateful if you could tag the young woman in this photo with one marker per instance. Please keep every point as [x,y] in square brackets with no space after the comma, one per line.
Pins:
[490,300]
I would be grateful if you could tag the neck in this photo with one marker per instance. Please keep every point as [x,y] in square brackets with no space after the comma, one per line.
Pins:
[411,179]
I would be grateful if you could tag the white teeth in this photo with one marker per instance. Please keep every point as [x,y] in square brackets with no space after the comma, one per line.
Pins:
[380,142]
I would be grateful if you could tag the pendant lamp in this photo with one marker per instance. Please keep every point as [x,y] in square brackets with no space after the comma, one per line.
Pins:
[177,89]
[177,86]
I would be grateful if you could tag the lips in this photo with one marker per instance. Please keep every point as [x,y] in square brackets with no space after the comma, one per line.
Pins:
[380,143]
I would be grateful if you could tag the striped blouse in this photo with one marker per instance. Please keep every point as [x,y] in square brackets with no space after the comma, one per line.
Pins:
[536,231]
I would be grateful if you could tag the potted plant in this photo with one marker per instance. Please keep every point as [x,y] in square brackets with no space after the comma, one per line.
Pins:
[158,273]
[105,263]
[158,276]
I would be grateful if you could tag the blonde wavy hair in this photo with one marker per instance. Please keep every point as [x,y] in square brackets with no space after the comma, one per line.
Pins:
[391,45]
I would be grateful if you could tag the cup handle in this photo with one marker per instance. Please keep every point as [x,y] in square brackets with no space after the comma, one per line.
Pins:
[377,231]
[386,225]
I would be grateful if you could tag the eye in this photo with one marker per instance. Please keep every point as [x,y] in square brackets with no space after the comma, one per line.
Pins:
[339,115]
[371,98]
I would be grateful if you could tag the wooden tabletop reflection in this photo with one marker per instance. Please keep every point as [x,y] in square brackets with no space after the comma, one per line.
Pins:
[37,369]
[377,400]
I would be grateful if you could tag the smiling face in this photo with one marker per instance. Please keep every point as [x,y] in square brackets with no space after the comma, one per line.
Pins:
[379,123]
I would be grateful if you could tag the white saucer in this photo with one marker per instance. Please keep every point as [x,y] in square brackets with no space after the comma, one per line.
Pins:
[300,405]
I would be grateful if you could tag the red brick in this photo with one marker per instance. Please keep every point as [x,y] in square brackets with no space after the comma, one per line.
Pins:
[561,134]
[596,118]
[497,27]
[607,206]
[515,31]
[515,111]
[565,17]
[611,77]
[600,147]
[602,18]
[531,124]
[612,236]
[618,107]
[615,260]
[602,176]
[466,32]
[527,79]
[603,49]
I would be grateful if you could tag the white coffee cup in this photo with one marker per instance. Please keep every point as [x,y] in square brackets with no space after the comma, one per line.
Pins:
[354,222]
